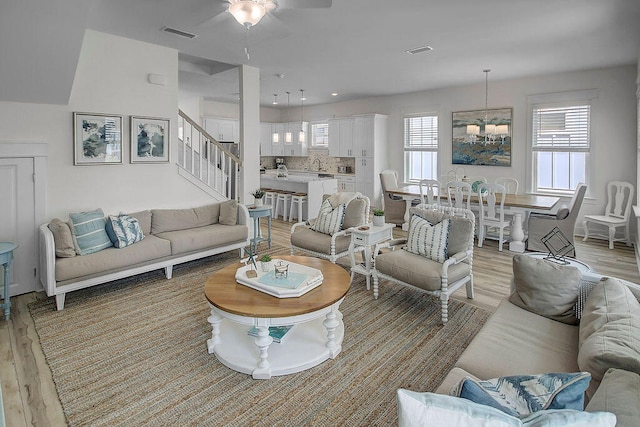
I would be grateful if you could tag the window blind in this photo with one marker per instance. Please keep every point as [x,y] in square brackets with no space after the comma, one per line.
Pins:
[421,132]
[320,134]
[561,128]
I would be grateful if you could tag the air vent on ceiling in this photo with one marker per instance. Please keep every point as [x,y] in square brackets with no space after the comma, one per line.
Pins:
[179,32]
[419,50]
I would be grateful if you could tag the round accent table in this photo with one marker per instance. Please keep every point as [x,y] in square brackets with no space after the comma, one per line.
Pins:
[584,268]
[315,337]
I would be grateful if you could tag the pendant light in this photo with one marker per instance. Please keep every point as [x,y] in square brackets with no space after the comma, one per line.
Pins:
[288,138]
[301,137]
[275,136]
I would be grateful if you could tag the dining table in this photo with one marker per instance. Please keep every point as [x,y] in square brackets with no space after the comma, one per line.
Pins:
[520,206]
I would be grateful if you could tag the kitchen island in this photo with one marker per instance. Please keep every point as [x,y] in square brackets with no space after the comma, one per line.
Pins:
[308,183]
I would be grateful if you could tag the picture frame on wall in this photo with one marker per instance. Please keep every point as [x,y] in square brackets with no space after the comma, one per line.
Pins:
[482,137]
[150,139]
[97,139]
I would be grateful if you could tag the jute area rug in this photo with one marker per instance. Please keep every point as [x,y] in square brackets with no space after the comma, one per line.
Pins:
[133,353]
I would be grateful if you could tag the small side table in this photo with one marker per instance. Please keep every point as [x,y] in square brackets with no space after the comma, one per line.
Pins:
[257,212]
[367,236]
[6,257]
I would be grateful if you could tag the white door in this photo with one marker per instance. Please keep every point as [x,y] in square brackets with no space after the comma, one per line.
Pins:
[17,220]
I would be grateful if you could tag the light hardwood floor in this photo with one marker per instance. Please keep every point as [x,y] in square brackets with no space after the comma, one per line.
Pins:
[29,394]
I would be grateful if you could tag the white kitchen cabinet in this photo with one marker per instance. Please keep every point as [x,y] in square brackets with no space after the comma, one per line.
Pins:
[277,148]
[369,136]
[341,137]
[346,183]
[223,130]
[296,147]
[265,139]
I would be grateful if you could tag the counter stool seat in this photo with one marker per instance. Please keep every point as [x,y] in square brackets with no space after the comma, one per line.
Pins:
[270,198]
[300,199]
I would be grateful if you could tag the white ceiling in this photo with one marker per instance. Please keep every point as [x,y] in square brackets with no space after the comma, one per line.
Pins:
[357,47]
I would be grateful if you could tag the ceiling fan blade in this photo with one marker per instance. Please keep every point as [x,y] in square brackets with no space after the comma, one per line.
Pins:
[303,4]
[214,12]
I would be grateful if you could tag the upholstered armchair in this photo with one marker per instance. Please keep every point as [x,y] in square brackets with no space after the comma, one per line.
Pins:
[437,256]
[313,238]
[565,219]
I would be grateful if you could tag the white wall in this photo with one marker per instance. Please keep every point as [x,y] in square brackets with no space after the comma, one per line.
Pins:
[111,77]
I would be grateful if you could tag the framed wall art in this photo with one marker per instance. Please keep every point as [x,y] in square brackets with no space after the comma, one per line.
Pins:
[149,140]
[97,139]
[482,137]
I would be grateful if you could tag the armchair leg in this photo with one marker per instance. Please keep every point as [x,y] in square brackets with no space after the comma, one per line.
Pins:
[444,301]
[375,285]
[469,286]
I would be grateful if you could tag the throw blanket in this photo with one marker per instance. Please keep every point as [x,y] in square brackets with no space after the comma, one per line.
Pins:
[342,198]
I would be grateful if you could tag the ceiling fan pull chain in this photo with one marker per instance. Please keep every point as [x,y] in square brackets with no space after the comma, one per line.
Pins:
[246,42]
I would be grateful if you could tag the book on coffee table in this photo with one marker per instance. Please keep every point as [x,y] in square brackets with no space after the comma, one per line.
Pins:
[276,332]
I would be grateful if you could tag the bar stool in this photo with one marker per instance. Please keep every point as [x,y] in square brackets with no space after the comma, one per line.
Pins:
[285,198]
[300,199]
[270,198]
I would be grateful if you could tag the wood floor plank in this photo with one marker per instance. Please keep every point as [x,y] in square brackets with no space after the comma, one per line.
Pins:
[29,394]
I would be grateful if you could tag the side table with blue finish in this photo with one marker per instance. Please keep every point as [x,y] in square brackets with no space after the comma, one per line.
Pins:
[257,212]
[6,257]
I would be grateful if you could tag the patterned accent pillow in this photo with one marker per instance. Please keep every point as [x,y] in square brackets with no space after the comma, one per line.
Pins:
[123,230]
[429,240]
[88,229]
[329,220]
[525,394]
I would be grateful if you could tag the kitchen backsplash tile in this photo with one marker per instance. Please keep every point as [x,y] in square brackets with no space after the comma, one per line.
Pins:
[327,163]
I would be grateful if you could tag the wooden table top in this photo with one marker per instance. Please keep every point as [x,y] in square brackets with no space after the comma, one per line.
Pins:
[528,201]
[225,293]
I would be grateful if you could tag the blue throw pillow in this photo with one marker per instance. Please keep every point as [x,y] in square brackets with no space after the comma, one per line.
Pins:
[525,394]
[89,232]
[123,230]
[329,219]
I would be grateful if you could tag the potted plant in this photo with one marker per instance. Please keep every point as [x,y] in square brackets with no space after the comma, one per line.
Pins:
[257,195]
[378,217]
[266,262]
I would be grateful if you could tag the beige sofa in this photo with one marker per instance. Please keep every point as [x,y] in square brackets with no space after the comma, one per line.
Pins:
[516,341]
[171,236]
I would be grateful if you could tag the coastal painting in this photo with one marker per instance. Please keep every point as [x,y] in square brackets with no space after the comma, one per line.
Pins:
[97,139]
[149,140]
[482,137]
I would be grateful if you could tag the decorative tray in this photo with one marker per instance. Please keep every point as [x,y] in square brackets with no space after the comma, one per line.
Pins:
[300,279]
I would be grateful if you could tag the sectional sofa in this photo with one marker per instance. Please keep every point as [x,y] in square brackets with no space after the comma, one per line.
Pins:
[170,237]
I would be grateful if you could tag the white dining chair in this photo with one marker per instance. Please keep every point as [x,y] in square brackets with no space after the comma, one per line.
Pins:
[492,213]
[430,191]
[511,185]
[459,194]
[616,213]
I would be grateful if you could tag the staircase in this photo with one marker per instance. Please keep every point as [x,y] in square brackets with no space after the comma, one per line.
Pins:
[206,162]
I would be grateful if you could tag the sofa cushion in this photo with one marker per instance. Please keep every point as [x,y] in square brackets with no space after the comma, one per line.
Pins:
[459,231]
[318,242]
[149,249]
[516,341]
[329,220]
[207,237]
[619,393]
[429,240]
[417,270]
[546,288]
[123,230]
[435,410]
[62,238]
[181,219]
[355,214]
[609,332]
[88,230]
[144,219]
[521,395]
[228,212]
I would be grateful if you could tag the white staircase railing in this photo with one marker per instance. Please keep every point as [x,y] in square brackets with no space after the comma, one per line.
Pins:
[205,161]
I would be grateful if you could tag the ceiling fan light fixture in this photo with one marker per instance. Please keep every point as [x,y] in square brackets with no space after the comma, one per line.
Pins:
[248,12]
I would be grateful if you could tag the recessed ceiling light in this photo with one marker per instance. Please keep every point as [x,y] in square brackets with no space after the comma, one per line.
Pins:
[279,75]
[419,50]
[334,94]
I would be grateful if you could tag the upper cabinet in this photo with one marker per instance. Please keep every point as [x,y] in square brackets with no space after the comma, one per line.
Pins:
[223,130]
[266,136]
[341,137]
[296,147]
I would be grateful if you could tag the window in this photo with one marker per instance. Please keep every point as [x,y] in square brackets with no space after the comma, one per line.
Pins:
[420,148]
[560,145]
[320,135]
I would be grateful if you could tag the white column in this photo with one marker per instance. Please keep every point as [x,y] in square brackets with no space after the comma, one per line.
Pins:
[249,132]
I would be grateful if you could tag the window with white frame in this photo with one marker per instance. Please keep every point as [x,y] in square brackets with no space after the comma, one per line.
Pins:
[560,144]
[320,135]
[420,147]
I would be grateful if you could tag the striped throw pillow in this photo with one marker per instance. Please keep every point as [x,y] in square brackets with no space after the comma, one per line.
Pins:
[89,232]
[429,240]
[329,220]
[123,230]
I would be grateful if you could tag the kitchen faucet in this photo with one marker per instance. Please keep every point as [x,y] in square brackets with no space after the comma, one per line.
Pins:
[319,164]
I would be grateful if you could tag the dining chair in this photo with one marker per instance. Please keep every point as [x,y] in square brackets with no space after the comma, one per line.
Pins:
[430,191]
[510,184]
[492,213]
[616,213]
[394,206]
[459,194]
